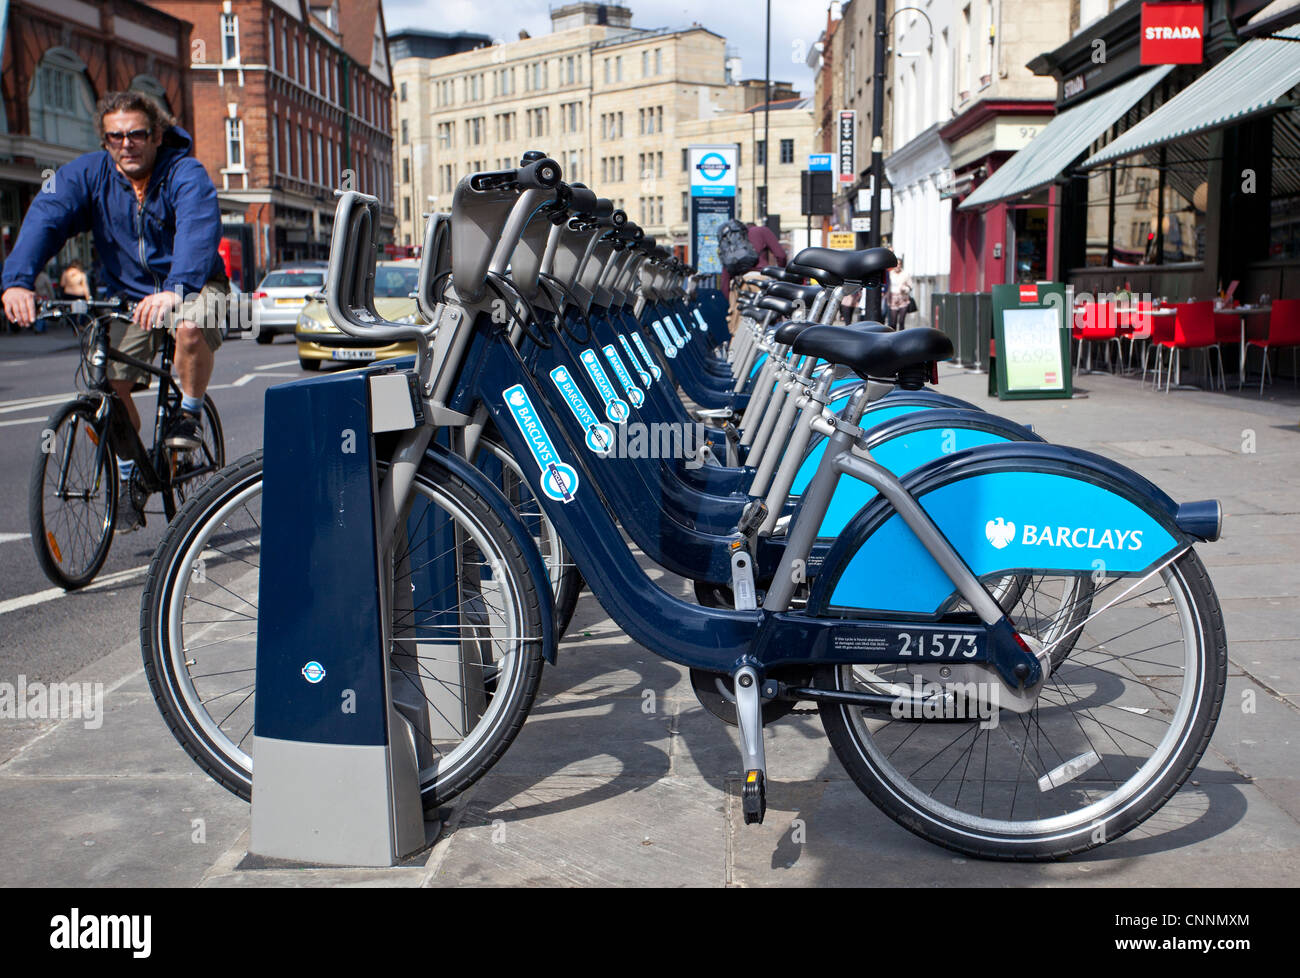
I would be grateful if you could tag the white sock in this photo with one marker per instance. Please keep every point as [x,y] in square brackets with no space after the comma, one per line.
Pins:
[192,404]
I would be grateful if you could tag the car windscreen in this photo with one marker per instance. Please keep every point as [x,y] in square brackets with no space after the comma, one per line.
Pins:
[293,280]
[395,283]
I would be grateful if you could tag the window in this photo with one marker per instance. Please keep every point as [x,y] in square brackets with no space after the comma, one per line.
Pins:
[640,113]
[406,208]
[270,44]
[760,152]
[446,135]
[618,67]
[406,136]
[474,131]
[659,164]
[686,207]
[275,144]
[607,71]
[401,97]
[620,126]
[234,144]
[230,38]
[620,169]
[686,160]
[787,151]
[62,103]
[406,171]
[645,64]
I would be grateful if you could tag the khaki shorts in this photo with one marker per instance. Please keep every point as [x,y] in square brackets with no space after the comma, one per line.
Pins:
[207,310]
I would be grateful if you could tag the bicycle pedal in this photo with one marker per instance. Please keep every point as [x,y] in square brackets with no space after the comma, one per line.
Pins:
[732,432]
[753,797]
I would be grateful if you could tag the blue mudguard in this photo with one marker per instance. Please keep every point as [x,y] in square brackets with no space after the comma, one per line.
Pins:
[912,440]
[1014,507]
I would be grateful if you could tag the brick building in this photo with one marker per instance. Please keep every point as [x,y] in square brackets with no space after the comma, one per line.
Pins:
[292,100]
[60,57]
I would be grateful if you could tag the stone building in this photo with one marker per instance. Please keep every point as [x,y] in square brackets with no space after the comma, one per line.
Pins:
[612,103]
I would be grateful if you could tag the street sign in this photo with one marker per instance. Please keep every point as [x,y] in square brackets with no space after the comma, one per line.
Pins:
[1031,341]
[713,170]
[816,192]
[862,224]
[843,240]
[819,161]
[848,168]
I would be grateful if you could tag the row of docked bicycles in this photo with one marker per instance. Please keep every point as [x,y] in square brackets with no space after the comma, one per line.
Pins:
[1013,647]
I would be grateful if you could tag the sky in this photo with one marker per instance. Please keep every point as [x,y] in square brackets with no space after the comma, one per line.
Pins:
[796,25]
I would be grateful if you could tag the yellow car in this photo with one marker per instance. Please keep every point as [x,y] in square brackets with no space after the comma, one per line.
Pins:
[320,341]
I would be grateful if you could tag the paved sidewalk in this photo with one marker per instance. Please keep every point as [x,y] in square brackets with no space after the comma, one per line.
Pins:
[600,789]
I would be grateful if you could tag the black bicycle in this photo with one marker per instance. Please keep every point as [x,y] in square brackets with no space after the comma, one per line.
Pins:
[72,500]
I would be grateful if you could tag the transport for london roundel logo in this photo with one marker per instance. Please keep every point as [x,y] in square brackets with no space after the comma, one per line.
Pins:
[712,167]
[999,532]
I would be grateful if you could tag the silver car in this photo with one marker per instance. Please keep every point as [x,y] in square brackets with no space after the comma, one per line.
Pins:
[280,297]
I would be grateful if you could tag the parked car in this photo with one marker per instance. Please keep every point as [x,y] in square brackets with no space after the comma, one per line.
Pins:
[319,340]
[281,296]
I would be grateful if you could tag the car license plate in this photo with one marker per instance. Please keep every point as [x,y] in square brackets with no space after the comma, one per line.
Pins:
[288,302]
[354,354]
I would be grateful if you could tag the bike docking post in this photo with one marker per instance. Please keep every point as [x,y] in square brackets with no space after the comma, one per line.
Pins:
[336,765]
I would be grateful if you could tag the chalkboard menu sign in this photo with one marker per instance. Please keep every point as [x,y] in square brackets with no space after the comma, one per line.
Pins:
[1031,339]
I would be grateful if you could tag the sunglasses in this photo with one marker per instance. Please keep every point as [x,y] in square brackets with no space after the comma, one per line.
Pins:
[135,136]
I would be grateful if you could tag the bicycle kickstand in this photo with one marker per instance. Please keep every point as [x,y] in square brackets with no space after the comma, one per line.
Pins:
[749,717]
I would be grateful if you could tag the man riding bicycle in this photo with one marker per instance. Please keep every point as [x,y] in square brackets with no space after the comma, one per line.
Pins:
[153,212]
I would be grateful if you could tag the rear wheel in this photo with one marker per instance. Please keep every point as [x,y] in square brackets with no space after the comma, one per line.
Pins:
[72,496]
[1116,729]
[465,648]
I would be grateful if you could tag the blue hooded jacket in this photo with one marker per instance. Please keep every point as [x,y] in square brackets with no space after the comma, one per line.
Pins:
[167,244]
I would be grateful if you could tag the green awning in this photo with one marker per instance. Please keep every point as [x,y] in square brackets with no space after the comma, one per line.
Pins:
[1062,141]
[1250,80]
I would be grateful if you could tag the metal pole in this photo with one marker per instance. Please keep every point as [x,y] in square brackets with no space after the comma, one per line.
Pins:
[767,107]
[878,125]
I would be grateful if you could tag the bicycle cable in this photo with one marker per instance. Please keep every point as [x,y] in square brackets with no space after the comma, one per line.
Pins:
[563,321]
[495,280]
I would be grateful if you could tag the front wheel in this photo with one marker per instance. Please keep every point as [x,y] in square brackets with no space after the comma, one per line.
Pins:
[465,648]
[1117,728]
[72,496]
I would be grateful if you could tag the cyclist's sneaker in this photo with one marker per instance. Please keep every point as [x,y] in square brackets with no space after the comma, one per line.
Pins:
[186,432]
[130,508]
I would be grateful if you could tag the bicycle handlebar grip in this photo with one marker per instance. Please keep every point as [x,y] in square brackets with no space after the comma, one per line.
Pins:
[543,174]
[604,209]
[581,199]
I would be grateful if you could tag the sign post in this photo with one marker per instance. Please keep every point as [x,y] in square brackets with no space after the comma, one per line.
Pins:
[1031,341]
[713,170]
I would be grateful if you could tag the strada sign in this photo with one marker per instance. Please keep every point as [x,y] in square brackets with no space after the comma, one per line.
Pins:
[1172,33]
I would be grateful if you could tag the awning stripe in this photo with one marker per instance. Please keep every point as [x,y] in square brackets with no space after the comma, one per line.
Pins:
[1248,81]
[1062,141]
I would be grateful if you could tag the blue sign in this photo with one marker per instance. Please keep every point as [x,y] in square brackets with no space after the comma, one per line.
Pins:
[634,393]
[645,355]
[669,347]
[559,480]
[631,358]
[820,161]
[313,672]
[616,409]
[600,437]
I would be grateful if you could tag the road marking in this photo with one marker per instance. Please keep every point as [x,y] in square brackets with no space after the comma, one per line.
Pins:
[33,403]
[15,363]
[272,366]
[8,537]
[244,380]
[49,594]
[6,424]
[247,378]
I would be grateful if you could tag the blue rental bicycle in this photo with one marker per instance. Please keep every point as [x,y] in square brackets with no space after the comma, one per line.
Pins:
[1014,648]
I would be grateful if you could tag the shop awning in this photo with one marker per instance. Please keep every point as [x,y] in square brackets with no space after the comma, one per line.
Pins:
[1250,80]
[1062,141]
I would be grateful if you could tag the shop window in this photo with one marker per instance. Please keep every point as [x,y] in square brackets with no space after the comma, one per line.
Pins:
[1149,227]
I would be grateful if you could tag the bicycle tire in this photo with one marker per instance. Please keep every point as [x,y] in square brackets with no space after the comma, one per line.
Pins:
[914,802]
[45,538]
[175,495]
[197,730]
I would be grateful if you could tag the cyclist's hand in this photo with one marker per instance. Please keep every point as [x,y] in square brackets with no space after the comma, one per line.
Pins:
[20,305]
[151,311]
